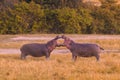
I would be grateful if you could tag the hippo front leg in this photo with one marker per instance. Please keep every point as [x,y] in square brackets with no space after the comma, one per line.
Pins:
[74,57]
[47,56]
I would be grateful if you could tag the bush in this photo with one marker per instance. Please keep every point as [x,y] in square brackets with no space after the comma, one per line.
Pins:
[48,16]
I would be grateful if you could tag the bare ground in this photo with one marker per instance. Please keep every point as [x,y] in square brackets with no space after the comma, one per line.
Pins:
[55,51]
[76,37]
[17,51]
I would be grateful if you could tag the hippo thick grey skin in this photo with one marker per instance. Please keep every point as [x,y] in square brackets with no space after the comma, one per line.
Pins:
[83,50]
[39,50]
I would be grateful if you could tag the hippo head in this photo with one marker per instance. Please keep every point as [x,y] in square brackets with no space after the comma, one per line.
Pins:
[67,41]
[52,43]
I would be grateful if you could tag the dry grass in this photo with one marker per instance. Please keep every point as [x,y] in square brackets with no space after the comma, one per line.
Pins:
[59,67]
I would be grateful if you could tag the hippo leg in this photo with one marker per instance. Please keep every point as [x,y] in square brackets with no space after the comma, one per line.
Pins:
[74,57]
[47,56]
[97,57]
[23,56]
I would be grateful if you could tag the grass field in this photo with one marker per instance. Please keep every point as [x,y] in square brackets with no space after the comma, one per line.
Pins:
[60,66]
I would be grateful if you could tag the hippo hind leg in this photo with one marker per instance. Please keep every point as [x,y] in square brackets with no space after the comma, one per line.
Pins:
[23,55]
[97,57]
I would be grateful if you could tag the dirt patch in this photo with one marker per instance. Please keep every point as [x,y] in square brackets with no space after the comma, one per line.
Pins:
[17,51]
[30,38]
[47,38]
[55,51]
[84,37]
[9,51]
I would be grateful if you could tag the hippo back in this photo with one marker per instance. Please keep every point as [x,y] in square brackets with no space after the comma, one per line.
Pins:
[34,49]
[85,49]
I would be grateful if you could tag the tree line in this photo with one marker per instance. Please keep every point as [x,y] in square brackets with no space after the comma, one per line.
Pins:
[59,16]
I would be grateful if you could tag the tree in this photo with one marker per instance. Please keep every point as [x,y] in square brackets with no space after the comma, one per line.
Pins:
[69,20]
[85,20]
[22,19]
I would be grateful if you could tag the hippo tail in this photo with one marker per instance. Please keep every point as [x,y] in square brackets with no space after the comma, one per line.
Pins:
[101,48]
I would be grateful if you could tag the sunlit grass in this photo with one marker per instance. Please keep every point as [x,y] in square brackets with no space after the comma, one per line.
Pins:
[59,67]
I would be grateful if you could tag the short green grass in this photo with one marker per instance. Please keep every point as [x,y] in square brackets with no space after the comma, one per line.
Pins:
[59,67]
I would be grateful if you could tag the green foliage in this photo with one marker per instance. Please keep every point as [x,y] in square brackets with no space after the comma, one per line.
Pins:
[22,19]
[59,16]
[52,23]
[32,15]
[106,18]
[85,20]
[69,20]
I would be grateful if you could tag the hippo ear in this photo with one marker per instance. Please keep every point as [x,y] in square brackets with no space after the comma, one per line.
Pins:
[57,37]
[64,37]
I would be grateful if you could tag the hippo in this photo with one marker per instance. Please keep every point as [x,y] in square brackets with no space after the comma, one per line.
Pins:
[39,50]
[82,49]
